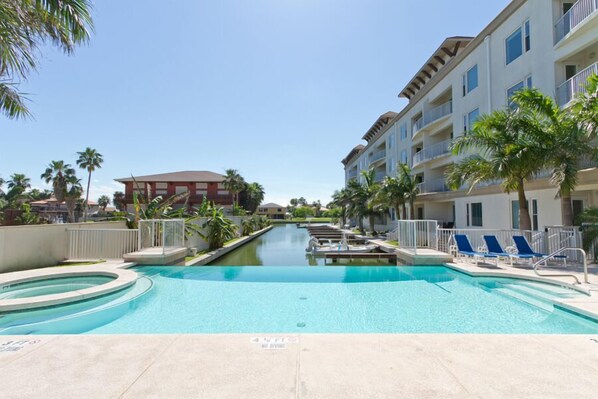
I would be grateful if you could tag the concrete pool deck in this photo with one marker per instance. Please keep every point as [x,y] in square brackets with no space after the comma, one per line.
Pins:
[299,366]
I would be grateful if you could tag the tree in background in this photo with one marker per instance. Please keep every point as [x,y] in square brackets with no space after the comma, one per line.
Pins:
[28,25]
[317,206]
[103,202]
[363,199]
[234,183]
[218,230]
[89,160]
[59,173]
[409,188]
[255,196]
[118,199]
[73,192]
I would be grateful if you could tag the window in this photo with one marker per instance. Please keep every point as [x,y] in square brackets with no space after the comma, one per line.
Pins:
[577,208]
[527,83]
[527,36]
[533,211]
[404,158]
[403,131]
[518,42]
[392,165]
[181,189]
[570,71]
[476,214]
[391,141]
[470,80]
[469,119]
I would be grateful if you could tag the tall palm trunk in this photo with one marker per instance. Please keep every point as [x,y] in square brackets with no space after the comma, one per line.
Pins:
[360,221]
[525,222]
[412,210]
[371,220]
[70,207]
[404,211]
[87,198]
[566,208]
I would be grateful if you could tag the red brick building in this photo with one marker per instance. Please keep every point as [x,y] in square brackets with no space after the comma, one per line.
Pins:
[199,184]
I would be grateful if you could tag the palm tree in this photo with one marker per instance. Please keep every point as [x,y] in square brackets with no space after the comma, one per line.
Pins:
[58,173]
[20,181]
[218,229]
[391,195]
[409,187]
[26,27]
[255,194]
[1,184]
[118,199]
[585,107]
[103,202]
[564,142]
[341,199]
[505,142]
[234,183]
[73,191]
[89,160]
[363,199]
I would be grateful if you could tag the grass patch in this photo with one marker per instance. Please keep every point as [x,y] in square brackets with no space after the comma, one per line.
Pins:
[67,263]
[393,243]
[234,240]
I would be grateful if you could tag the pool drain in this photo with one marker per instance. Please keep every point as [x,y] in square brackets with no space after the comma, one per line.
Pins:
[303,298]
[300,324]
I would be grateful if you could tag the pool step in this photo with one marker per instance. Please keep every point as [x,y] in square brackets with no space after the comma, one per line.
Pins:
[538,302]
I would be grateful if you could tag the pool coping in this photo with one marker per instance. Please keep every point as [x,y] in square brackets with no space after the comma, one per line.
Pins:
[123,278]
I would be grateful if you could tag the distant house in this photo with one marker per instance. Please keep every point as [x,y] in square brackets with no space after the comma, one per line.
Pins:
[56,212]
[201,185]
[272,210]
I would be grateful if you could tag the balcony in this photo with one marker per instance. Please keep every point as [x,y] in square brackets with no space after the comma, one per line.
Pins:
[433,186]
[579,13]
[436,113]
[432,152]
[568,90]
[377,156]
[417,126]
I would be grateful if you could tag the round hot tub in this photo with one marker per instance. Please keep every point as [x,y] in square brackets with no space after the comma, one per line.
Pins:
[51,285]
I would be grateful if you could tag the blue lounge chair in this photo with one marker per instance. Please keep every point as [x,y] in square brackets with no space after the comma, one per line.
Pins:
[523,248]
[495,248]
[464,248]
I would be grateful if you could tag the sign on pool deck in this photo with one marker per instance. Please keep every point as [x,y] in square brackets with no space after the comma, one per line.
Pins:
[273,342]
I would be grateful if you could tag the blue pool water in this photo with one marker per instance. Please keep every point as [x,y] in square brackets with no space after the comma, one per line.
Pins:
[296,299]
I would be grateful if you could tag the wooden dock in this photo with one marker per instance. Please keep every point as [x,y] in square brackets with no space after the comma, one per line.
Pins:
[335,256]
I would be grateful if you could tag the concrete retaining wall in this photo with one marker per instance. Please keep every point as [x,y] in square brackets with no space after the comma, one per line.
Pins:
[32,247]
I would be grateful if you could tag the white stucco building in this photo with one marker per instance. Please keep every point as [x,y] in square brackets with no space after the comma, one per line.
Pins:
[551,45]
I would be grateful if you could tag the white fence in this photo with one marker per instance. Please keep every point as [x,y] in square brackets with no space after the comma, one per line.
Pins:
[163,234]
[581,10]
[414,234]
[100,243]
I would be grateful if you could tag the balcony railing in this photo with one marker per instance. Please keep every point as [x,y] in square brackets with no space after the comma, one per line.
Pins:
[438,112]
[432,152]
[417,125]
[433,186]
[378,155]
[577,84]
[579,12]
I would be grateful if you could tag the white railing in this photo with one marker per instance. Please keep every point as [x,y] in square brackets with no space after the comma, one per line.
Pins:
[559,237]
[378,155]
[579,12]
[432,152]
[100,243]
[577,84]
[417,125]
[393,235]
[161,234]
[433,186]
[438,112]
[417,234]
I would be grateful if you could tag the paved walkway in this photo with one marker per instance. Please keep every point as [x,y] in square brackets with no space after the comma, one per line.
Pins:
[299,366]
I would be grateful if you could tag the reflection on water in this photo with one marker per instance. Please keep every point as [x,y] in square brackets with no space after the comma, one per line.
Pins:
[282,246]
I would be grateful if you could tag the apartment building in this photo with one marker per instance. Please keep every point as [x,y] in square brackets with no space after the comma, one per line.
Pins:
[201,185]
[551,45]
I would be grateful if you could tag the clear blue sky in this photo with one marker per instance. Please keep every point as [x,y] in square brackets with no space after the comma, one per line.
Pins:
[279,89]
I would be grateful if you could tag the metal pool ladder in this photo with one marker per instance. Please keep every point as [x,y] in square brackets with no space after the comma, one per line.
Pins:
[557,252]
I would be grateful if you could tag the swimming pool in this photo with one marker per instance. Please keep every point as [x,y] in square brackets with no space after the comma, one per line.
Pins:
[300,299]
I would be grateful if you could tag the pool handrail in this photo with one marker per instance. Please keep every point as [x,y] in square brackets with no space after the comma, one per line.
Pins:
[554,255]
